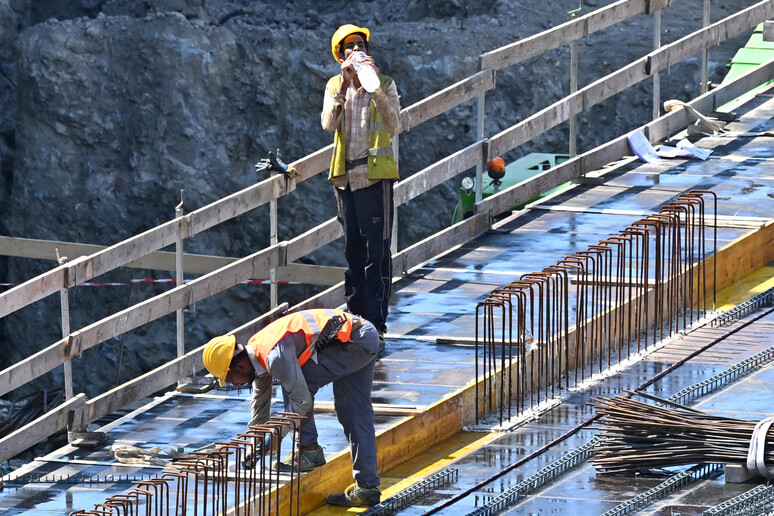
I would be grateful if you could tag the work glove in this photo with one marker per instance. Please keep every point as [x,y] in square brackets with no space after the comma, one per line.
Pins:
[329,333]
[250,460]
[275,163]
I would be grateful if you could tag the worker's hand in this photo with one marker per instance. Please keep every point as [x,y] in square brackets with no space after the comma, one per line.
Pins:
[251,460]
[368,60]
[248,461]
[348,72]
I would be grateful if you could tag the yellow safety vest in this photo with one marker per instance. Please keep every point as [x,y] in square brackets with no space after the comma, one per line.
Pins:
[311,322]
[381,161]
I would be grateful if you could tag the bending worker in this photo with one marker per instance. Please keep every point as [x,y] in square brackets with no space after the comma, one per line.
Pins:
[305,351]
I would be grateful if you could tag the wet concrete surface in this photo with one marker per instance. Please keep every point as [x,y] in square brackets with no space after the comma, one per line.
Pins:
[582,490]
[439,300]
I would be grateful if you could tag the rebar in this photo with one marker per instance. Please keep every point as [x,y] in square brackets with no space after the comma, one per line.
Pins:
[636,436]
[237,474]
[651,278]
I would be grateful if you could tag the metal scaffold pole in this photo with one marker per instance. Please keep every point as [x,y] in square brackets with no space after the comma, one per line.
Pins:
[180,278]
[273,239]
[480,135]
[64,297]
[705,52]
[656,76]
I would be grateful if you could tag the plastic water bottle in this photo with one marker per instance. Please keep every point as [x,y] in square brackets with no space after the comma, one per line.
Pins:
[367,75]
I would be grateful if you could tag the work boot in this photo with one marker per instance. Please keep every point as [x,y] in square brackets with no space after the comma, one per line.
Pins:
[355,496]
[309,459]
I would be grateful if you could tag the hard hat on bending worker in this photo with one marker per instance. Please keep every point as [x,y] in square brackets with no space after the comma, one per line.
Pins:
[223,357]
[342,33]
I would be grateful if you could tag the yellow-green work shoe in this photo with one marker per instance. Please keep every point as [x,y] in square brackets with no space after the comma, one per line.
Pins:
[356,496]
[309,460]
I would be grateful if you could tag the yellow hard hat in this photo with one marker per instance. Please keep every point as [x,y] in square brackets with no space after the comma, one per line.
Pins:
[217,356]
[341,33]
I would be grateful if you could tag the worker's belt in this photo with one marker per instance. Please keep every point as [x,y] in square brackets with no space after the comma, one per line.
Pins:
[352,163]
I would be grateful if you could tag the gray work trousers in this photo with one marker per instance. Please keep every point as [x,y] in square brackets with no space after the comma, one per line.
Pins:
[350,366]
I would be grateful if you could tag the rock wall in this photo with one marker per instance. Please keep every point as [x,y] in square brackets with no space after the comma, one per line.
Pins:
[109,108]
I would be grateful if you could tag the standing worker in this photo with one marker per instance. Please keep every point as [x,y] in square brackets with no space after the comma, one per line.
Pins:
[362,169]
[305,351]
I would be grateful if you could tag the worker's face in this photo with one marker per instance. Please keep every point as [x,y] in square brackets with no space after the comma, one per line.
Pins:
[241,370]
[353,43]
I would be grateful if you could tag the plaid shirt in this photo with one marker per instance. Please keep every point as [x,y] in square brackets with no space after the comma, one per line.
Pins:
[356,118]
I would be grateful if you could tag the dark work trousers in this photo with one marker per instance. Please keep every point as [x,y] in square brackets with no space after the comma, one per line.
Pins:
[366,216]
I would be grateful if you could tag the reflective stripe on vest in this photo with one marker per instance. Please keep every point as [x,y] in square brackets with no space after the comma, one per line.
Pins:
[311,322]
[381,160]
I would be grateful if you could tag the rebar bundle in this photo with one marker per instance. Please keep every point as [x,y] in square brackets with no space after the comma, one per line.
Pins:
[638,436]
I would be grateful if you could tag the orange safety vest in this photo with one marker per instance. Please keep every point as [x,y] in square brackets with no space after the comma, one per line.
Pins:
[311,322]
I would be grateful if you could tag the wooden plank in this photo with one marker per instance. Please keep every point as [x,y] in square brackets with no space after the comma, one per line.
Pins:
[655,5]
[152,240]
[520,193]
[441,242]
[143,386]
[311,274]
[313,164]
[167,374]
[712,35]
[313,239]
[233,205]
[329,298]
[437,173]
[32,290]
[566,108]
[159,260]
[34,366]
[744,255]
[49,423]
[165,261]
[446,99]
[563,34]
[139,314]
[617,148]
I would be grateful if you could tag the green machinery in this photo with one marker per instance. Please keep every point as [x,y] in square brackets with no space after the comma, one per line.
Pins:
[520,170]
